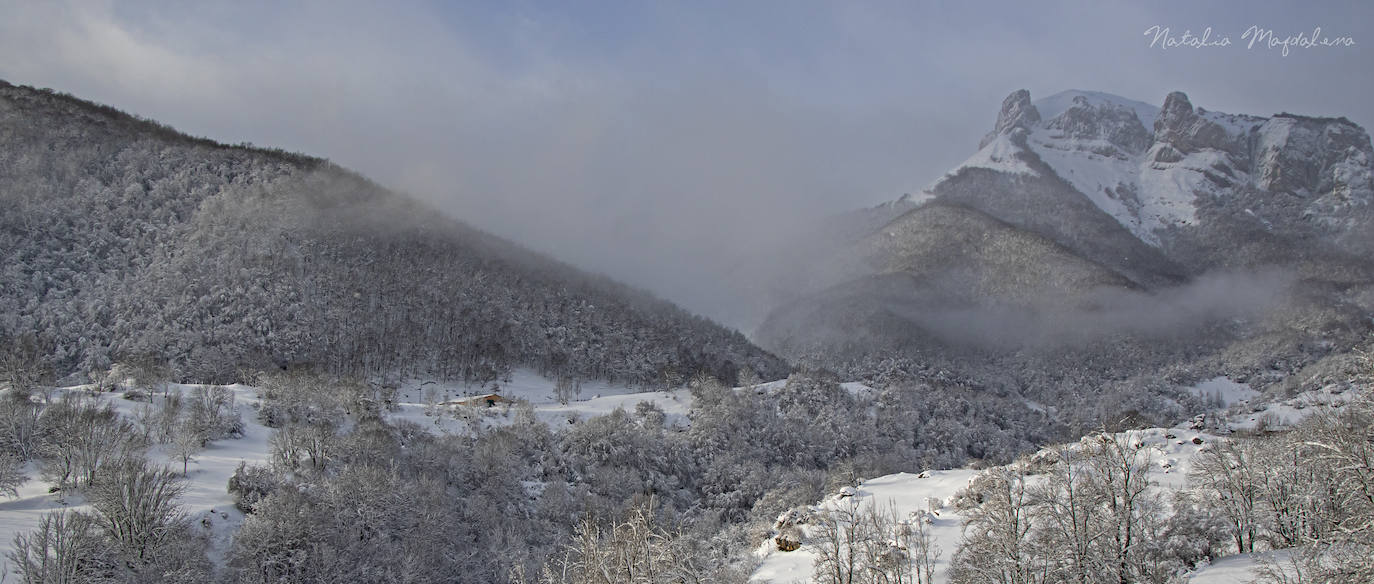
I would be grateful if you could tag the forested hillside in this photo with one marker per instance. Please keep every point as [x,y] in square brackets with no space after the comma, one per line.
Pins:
[123,240]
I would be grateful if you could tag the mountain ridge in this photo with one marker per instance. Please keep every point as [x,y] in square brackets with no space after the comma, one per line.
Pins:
[125,240]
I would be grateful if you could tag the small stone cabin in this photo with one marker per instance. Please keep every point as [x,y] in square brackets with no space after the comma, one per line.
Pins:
[489,400]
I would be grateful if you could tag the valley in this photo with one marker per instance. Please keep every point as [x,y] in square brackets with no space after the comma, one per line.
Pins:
[1111,342]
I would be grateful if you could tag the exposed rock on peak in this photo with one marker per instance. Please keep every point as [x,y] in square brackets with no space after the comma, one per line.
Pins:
[1017,112]
[1326,161]
[1186,130]
[1176,113]
[1113,123]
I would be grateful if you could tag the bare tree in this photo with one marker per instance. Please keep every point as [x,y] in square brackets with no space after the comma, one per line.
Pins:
[65,548]
[1092,519]
[293,445]
[1225,474]
[1339,446]
[565,388]
[138,509]
[924,551]
[997,532]
[146,372]
[1069,502]
[869,544]
[187,440]
[211,409]
[169,415]
[839,536]
[20,427]
[11,474]
[896,550]
[1120,464]
[85,438]
[636,549]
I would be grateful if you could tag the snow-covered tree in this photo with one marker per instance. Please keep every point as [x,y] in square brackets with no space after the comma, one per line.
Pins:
[996,547]
[85,438]
[66,547]
[11,474]
[1227,477]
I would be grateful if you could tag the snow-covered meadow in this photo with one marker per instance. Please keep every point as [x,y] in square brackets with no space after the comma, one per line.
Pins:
[205,499]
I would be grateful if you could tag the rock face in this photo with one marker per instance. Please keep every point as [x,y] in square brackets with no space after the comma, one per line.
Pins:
[1324,160]
[1114,124]
[1017,112]
[1310,158]
[1185,132]
[1171,175]
[1175,118]
[1295,176]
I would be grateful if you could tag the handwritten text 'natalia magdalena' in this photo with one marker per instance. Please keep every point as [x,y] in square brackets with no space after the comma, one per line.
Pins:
[1255,37]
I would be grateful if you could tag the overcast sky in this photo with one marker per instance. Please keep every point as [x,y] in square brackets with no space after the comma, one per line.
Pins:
[649,139]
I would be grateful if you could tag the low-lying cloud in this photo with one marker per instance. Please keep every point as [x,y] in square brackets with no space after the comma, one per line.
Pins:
[1221,298]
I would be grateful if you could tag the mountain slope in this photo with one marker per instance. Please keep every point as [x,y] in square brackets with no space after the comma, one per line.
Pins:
[124,240]
[1178,238]
[932,270]
[994,259]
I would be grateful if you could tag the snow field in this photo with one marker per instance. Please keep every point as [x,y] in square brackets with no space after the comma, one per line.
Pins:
[205,499]
[910,493]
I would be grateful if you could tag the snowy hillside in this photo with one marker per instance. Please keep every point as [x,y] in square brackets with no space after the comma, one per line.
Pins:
[1176,466]
[918,497]
[930,496]
[1001,154]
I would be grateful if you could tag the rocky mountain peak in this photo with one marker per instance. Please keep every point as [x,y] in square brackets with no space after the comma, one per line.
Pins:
[1177,113]
[1017,112]
[1114,123]
[1181,130]
[1327,161]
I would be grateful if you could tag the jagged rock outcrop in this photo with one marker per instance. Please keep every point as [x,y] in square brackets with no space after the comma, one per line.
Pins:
[1115,124]
[1322,159]
[1184,131]
[1017,112]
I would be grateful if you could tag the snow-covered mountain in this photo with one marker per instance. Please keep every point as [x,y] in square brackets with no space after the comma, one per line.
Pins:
[1179,214]
[1153,169]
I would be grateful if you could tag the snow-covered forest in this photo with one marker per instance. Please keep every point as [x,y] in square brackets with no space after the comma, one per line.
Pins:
[123,240]
[353,482]
[307,477]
